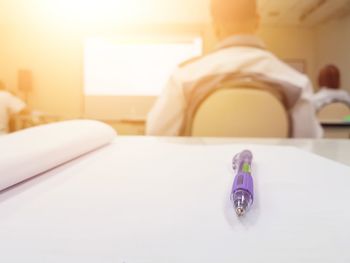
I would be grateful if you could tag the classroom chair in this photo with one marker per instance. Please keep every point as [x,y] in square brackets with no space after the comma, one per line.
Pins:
[251,111]
[336,111]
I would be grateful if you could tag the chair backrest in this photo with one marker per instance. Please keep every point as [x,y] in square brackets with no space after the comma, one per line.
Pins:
[241,112]
[336,111]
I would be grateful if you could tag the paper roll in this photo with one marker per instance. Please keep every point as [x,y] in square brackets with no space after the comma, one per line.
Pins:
[30,152]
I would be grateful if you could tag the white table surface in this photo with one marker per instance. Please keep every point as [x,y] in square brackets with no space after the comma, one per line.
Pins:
[167,200]
[334,149]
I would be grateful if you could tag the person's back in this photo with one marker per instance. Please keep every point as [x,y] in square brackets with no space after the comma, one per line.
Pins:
[239,55]
[329,82]
[9,104]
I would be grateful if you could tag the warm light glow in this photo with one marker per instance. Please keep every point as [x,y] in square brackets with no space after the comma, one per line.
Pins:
[129,67]
[71,12]
[78,10]
[100,10]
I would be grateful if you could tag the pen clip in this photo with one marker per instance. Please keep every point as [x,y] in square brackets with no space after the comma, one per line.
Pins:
[235,160]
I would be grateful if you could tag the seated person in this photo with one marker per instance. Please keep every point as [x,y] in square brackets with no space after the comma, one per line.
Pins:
[239,54]
[9,105]
[329,83]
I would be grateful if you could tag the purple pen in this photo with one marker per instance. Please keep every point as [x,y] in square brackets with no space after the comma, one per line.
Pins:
[242,194]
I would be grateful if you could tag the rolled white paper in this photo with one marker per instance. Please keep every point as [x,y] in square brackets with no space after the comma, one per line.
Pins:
[30,152]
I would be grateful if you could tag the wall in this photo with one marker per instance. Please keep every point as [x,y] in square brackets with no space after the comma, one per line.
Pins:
[52,47]
[292,43]
[333,42]
[55,58]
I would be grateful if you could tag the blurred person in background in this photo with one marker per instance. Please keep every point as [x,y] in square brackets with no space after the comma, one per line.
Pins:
[329,81]
[239,54]
[9,106]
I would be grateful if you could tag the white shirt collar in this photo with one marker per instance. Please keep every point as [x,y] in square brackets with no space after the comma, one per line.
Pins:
[241,41]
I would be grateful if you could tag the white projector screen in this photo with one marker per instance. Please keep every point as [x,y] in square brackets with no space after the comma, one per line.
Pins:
[134,67]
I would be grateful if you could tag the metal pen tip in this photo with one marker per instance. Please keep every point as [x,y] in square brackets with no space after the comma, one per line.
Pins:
[240,211]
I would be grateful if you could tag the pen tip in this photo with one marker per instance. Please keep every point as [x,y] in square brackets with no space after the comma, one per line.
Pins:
[240,211]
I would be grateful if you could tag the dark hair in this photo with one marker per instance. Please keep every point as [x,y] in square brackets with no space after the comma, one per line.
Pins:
[233,10]
[329,77]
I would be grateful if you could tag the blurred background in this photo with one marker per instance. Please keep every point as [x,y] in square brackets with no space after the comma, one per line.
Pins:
[109,60]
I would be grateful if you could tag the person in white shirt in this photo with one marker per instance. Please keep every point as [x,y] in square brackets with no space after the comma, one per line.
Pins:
[329,83]
[240,54]
[9,105]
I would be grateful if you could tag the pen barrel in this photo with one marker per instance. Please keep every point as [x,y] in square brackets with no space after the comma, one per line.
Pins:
[243,181]
[242,194]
